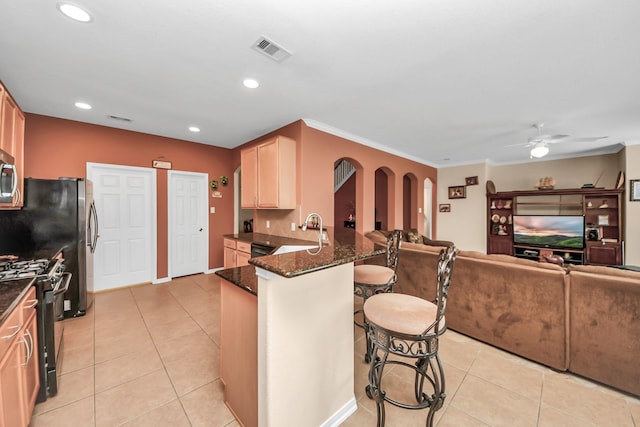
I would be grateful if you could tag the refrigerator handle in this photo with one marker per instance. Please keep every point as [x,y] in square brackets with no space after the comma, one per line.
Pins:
[93,231]
[90,228]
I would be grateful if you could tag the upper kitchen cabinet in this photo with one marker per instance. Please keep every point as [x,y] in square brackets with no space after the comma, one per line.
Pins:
[269,174]
[12,143]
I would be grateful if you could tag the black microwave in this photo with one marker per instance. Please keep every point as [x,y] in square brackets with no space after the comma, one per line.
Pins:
[8,177]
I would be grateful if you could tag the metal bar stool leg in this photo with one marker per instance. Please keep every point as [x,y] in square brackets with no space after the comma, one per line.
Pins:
[373,390]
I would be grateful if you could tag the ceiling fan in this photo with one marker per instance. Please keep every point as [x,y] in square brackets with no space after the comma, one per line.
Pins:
[538,143]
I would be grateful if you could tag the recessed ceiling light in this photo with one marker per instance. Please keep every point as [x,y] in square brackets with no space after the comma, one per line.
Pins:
[74,12]
[194,128]
[250,83]
[83,105]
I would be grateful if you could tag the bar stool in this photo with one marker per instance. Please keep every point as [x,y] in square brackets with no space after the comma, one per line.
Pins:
[409,327]
[369,279]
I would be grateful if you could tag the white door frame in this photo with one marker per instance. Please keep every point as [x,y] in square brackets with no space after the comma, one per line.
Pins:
[170,214]
[153,209]
[427,208]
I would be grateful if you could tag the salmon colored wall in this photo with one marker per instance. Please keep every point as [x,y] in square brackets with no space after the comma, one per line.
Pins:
[56,147]
[319,152]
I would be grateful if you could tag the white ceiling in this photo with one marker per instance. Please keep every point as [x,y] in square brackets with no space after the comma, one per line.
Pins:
[441,82]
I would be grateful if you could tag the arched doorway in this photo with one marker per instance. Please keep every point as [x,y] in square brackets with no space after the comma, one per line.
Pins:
[409,202]
[381,210]
[344,193]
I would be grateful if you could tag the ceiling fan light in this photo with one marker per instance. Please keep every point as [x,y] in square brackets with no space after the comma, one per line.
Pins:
[540,150]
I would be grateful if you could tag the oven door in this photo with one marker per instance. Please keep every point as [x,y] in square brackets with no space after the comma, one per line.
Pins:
[259,249]
[58,295]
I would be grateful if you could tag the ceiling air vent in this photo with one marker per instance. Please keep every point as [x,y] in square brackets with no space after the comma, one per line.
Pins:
[122,119]
[270,49]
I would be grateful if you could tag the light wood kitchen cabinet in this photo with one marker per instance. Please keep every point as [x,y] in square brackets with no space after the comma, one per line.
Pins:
[236,253]
[243,253]
[229,253]
[239,351]
[12,123]
[19,380]
[269,174]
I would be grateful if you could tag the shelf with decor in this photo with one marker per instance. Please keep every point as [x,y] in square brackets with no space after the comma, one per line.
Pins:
[500,224]
[593,214]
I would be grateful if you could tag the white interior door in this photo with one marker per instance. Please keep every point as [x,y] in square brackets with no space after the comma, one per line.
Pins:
[188,223]
[125,199]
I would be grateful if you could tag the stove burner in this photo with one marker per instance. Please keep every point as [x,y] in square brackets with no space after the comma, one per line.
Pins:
[22,269]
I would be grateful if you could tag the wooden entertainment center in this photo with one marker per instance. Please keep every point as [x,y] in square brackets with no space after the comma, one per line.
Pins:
[601,209]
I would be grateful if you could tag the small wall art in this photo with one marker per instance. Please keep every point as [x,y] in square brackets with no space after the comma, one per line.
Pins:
[634,194]
[471,180]
[444,207]
[458,192]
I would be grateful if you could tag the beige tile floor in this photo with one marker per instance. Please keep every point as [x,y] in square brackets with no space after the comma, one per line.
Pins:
[149,356]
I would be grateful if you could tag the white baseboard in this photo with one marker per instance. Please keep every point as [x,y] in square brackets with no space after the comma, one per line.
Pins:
[161,280]
[342,414]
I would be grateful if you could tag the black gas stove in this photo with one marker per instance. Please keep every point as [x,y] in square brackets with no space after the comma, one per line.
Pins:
[51,282]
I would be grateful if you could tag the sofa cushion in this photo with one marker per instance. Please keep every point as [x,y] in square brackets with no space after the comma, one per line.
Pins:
[607,271]
[516,305]
[509,259]
[413,237]
[605,326]
[420,247]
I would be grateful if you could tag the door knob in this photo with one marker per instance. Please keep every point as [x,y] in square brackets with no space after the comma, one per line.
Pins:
[200,229]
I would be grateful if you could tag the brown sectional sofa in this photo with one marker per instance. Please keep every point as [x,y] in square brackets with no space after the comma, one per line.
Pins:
[584,319]
[604,325]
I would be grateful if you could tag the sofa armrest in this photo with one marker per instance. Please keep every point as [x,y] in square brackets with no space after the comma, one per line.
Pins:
[604,337]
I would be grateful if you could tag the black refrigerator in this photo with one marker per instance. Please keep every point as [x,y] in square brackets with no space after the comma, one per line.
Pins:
[57,213]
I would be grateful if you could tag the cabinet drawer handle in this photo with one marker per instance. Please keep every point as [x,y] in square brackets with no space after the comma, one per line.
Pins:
[31,344]
[8,337]
[26,356]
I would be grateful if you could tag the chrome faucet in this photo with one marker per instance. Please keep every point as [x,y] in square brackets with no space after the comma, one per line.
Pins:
[306,221]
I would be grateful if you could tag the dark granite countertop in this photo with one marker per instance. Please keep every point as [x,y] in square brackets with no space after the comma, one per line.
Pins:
[243,277]
[346,245]
[269,240]
[11,292]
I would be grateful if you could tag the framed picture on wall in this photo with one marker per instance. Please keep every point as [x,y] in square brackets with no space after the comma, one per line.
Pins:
[471,180]
[634,194]
[458,192]
[444,207]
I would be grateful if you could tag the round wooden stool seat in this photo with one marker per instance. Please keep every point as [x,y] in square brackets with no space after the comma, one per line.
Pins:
[369,274]
[399,313]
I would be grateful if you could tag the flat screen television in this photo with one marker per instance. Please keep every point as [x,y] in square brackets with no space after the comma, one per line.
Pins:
[549,231]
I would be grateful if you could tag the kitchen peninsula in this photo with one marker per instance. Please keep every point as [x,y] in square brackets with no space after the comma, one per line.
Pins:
[287,334]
